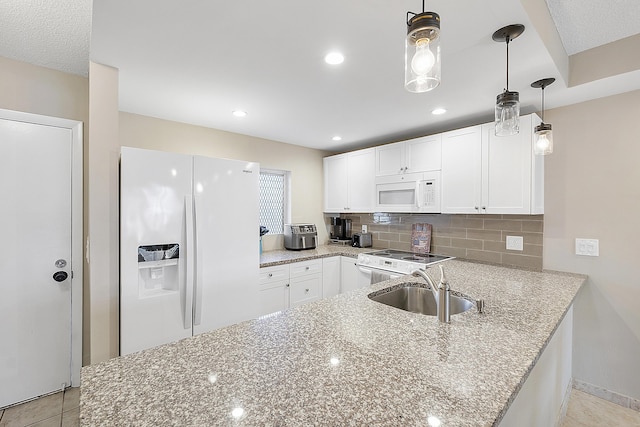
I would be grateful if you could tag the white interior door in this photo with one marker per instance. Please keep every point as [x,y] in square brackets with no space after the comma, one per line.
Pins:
[35,219]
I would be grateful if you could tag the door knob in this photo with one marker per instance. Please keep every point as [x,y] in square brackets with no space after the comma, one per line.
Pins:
[60,276]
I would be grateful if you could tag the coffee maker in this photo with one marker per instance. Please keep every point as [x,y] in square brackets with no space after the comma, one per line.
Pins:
[340,231]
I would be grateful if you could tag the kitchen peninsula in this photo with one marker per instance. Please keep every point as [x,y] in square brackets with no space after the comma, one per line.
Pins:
[346,360]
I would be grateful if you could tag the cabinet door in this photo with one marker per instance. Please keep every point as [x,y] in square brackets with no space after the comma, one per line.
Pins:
[330,276]
[349,274]
[423,154]
[361,181]
[390,159]
[506,172]
[335,183]
[273,297]
[305,289]
[461,171]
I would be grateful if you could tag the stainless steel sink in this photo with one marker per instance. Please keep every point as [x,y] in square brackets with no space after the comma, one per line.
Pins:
[417,299]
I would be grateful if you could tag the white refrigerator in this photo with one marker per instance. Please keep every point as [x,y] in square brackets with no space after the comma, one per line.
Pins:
[189,245]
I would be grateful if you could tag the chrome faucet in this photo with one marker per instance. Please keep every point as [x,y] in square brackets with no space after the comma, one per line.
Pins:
[441,293]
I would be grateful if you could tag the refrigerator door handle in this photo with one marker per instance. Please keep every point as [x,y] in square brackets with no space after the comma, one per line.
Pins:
[197,297]
[189,259]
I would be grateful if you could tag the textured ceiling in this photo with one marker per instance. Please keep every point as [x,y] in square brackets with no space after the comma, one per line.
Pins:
[51,33]
[585,24]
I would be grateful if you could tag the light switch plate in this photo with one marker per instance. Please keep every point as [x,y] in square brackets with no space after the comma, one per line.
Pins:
[515,243]
[364,228]
[588,247]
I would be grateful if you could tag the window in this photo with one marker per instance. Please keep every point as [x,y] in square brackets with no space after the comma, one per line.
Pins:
[274,200]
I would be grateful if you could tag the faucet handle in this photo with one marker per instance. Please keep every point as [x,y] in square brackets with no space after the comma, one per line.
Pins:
[444,283]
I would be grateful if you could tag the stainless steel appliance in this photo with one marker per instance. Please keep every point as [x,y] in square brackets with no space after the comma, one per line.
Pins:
[362,240]
[340,231]
[300,236]
[389,264]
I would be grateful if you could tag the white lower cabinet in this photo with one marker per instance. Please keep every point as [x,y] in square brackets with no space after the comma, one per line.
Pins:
[305,282]
[273,289]
[349,276]
[297,283]
[331,276]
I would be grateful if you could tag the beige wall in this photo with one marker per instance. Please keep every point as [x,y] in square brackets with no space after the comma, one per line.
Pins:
[593,191]
[102,300]
[38,90]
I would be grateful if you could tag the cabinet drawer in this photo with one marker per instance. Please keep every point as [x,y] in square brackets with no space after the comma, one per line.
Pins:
[306,267]
[273,274]
[305,289]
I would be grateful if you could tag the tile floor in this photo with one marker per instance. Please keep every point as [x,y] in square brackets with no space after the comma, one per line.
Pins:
[62,410]
[586,410]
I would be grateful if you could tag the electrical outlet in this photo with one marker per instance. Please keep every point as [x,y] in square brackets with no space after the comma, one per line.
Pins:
[364,228]
[588,247]
[515,243]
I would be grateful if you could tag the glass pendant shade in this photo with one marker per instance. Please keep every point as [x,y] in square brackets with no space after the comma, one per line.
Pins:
[543,144]
[507,113]
[507,103]
[422,53]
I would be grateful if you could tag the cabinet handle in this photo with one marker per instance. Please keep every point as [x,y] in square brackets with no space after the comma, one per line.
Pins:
[287,285]
[270,274]
[476,207]
[484,208]
[306,268]
[306,290]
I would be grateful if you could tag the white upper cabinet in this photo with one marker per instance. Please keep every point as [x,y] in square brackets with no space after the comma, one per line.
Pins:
[484,173]
[349,182]
[461,170]
[415,155]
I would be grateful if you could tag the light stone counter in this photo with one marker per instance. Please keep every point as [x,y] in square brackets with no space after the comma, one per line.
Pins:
[344,361]
[271,258]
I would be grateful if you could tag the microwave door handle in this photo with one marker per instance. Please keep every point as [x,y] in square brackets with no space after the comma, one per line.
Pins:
[419,195]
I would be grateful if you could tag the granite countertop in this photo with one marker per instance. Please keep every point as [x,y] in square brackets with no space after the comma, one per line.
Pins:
[271,258]
[344,361]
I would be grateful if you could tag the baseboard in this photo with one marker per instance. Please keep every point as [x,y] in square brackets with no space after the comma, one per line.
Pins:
[608,395]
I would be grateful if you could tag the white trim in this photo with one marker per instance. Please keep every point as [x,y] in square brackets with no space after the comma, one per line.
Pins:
[76,226]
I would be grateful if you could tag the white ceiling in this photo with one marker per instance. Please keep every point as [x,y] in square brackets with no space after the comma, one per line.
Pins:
[195,61]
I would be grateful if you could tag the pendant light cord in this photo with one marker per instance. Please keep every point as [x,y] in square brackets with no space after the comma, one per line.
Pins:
[507,40]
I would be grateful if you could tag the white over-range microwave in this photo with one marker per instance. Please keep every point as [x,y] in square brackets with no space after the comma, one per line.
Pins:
[410,192]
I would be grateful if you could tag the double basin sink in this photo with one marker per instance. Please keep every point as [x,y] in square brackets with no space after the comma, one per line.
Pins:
[417,298]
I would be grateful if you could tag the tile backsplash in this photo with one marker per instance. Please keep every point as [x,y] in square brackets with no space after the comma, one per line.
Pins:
[473,237]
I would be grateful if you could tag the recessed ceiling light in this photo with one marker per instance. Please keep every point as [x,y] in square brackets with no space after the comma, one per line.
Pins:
[337,138]
[240,113]
[439,111]
[334,58]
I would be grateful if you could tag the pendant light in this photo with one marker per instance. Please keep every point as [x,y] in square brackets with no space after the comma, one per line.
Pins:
[422,52]
[543,143]
[508,103]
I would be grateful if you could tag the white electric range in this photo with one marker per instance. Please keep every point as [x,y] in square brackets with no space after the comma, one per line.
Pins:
[390,264]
